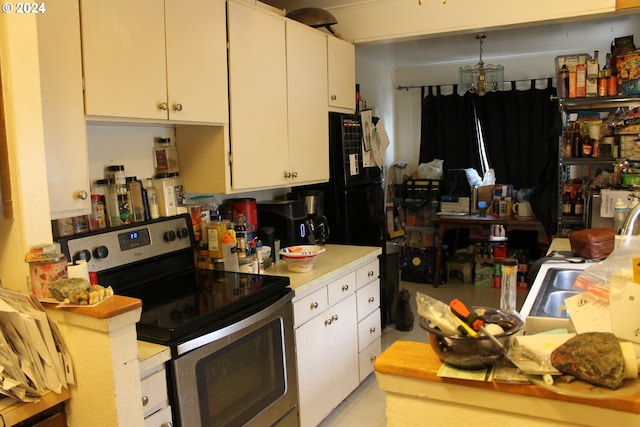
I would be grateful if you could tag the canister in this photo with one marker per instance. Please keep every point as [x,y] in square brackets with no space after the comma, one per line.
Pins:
[164,185]
[43,272]
[136,204]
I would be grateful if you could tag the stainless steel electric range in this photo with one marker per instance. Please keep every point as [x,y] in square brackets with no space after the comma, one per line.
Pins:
[230,334]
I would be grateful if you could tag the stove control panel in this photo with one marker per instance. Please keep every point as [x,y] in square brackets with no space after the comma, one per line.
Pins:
[130,244]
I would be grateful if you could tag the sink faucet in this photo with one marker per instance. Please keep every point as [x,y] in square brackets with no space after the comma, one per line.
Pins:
[632,217]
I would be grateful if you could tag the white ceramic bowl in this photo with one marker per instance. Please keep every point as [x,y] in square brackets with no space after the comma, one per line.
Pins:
[301,258]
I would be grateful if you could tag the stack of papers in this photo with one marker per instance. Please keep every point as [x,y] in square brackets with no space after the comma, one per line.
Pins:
[33,357]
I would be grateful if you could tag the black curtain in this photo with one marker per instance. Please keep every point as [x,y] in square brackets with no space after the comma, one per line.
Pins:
[521,130]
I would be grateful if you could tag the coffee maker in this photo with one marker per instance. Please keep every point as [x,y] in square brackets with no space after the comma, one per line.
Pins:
[314,202]
[289,220]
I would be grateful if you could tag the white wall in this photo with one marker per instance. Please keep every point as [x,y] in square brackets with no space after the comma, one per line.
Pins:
[403,106]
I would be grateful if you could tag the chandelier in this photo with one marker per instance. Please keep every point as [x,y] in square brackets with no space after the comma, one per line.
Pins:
[481,78]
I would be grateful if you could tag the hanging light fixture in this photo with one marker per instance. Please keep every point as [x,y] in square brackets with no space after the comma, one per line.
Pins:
[481,78]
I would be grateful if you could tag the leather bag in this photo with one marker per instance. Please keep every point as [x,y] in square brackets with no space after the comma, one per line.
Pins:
[592,243]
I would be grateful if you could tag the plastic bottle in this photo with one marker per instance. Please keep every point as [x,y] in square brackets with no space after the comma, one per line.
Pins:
[509,285]
[230,257]
[216,230]
[620,211]
[152,196]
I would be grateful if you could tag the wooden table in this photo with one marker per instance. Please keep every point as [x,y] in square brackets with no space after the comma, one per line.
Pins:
[448,222]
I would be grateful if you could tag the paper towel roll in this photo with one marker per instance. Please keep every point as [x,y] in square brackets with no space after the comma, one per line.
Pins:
[79,269]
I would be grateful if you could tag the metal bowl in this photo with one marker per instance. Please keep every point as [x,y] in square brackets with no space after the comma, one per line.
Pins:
[474,353]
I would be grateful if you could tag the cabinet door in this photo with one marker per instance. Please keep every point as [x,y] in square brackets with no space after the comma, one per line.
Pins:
[342,75]
[196,40]
[123,52]
[65,134]
[258,97]
[327,357]
[306,93]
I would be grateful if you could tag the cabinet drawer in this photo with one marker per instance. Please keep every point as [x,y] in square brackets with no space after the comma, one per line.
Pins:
[154,392]
[368,330]
[367,358]
[162,418]
[308,306]
[368,273]
[342,288]
[368,299]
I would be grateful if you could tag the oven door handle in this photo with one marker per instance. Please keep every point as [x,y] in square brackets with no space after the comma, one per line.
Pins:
[247,322]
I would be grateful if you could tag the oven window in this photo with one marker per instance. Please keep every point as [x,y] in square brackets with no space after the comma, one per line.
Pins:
[243,378]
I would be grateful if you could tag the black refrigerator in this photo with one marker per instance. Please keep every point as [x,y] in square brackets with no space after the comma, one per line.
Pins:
[354,195]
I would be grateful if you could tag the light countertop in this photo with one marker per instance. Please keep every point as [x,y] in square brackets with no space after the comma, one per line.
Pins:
[335,261]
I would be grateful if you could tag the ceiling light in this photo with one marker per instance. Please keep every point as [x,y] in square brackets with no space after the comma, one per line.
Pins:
[481,78]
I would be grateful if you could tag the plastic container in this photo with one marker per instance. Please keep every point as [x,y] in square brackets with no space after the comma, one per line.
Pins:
[136,204]
[300,264]
[509,285]
[42,273]
[98,218]
[165,156]
[230,258]
[152,197]
[166,193]
[216,230]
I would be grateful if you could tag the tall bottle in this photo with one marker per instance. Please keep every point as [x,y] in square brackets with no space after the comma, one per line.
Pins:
[241,237]
[230,257]
[152,197]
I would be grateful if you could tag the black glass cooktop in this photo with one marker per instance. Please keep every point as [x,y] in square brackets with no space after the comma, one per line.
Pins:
[182,307]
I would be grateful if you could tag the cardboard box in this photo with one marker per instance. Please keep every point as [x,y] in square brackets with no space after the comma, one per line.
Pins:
[454,204]
[628,67]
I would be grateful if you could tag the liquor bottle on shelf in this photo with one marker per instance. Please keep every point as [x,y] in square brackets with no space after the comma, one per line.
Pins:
[578,205]
[567,206]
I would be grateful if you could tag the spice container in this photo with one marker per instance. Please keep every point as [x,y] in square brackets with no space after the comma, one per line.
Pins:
[62,227]
[97,219]
[136,203]
[166,193]
[165,156]
[80,224]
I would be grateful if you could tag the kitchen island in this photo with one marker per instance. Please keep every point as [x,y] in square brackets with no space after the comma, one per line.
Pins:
[417,396]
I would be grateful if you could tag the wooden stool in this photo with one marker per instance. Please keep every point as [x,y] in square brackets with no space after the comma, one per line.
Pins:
[462,264]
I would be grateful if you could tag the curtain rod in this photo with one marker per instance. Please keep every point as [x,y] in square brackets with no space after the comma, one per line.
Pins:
[456,84]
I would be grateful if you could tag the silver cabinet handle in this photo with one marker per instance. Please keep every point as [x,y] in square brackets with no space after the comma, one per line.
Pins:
[287,175]
[345,288]
[145,400]
[371,299]
[314,305]
[370,273]
[327,322]
[333,97]
[372,359]
[166,424]
[294,174]
[372,330]
[82,195]
[177,107]
[163,106]
[334,317]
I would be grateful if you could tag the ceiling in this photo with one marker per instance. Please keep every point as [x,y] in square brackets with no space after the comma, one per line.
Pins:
[500,44]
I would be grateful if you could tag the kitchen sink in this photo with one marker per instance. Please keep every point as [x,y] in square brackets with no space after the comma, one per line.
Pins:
[544,308]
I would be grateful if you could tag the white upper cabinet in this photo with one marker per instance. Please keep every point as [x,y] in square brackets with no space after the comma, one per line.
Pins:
[342,75]
[65,135]
[307,107]
[155,59]
[257,97]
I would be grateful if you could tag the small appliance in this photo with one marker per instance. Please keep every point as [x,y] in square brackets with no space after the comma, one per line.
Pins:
[314,202]
[289,220]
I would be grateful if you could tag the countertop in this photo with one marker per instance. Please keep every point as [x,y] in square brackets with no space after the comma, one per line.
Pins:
[417,360]
[336,260]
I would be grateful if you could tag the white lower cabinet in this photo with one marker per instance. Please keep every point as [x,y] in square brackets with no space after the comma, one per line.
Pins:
[337,332]
[369,322]
[155,396]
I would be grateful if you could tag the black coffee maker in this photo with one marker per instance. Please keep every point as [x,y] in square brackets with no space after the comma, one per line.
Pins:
[314,201]
[289,220]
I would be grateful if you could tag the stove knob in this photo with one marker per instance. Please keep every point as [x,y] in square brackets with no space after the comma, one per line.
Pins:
[101,252]
[83,255]
[182,232]
[170,236]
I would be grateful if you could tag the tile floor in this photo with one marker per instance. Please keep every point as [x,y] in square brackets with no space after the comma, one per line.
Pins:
[366,405]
